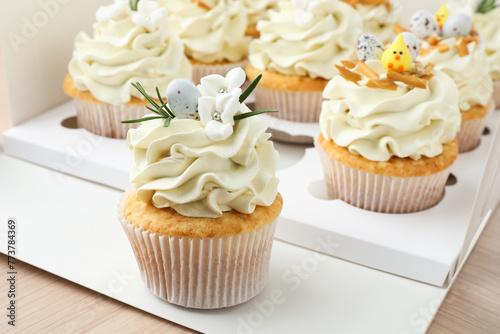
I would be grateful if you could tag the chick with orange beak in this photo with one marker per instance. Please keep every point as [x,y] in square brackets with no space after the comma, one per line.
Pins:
[397,57]
[442,15]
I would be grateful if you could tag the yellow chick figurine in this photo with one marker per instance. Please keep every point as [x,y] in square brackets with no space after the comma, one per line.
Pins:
[397,57]
[442,15]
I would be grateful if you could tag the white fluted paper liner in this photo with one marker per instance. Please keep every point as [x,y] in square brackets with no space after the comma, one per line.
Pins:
[381,193]
[295,106]
[470,134]
[201,70]
[105,119]
[496,93]
[206,273]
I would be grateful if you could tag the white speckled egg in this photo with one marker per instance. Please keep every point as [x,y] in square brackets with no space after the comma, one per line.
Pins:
[423,24]
[182,97]
[457,25]
[412,44]
[369,47]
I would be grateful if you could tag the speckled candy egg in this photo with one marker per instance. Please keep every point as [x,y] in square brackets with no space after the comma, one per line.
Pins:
[423,24]
[457,25]
[182,97]
[369,47]
[412,44]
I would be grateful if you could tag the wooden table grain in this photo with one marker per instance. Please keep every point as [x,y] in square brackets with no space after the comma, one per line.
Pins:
[50,304]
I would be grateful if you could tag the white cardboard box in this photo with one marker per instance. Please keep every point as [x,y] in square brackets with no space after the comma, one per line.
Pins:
[423,246]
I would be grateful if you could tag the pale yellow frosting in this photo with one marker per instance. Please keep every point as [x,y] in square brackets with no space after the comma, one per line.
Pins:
[471,73]
[182,168]
[488,26]
[122,52]
[379,124]
[213,35]
[306,42]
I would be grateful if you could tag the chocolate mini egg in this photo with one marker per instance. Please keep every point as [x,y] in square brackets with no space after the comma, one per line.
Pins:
[369,47]
[423,24]
[412,44]
[182,97]
[457,25]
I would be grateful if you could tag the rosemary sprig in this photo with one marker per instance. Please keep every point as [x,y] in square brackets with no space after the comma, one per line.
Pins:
[133,5]
[164,112]
[253,113]
[250,89]
[486,6]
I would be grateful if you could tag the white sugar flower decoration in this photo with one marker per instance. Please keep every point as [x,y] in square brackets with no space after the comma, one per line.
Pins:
[149,15]
[215,84]
[217,113]
[305,11]
[118,9]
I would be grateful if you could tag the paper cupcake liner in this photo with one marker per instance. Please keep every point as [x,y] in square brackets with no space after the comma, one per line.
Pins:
[206,273]
[293,106]
[496,93]
[105,119]
[470,134]
[381,193]
[201,70]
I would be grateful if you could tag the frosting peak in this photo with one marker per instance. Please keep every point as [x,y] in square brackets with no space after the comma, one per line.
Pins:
[381,123]
[126,47]
[306,38]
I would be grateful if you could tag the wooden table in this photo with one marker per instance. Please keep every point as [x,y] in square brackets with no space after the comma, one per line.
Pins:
[50,304]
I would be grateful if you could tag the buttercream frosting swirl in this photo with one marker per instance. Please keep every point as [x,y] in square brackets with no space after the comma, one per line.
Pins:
[471,73]
[182,168]
[488,26]
[257,9]
[379,124]
[379,20]
[122,51]
[211,35]
[299,41]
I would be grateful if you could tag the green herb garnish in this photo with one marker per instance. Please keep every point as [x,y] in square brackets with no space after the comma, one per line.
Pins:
[486,6]
[164,112]
[133,4]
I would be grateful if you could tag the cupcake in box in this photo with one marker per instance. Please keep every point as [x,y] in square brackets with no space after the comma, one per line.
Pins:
[205,202]
[257,10]
[456,49]
[213,32]
[297,50]
[486,20]
[379,16]
[388,129]
[129,44]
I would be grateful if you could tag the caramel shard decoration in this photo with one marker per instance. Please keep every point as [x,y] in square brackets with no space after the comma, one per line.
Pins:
[355,3]
[382,84]
[367,71]
[442,48]
[434,40]
[410,80]
[462,45]
[201,4]
[349,75]
[428,68]
[349,64]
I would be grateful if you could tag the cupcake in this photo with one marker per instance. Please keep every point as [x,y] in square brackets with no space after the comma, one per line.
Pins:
[204,204]
[486,19]
[388,131]
[379,16]
[456,50]
[296,51]
[257,10]
[128,45]
[213,33]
